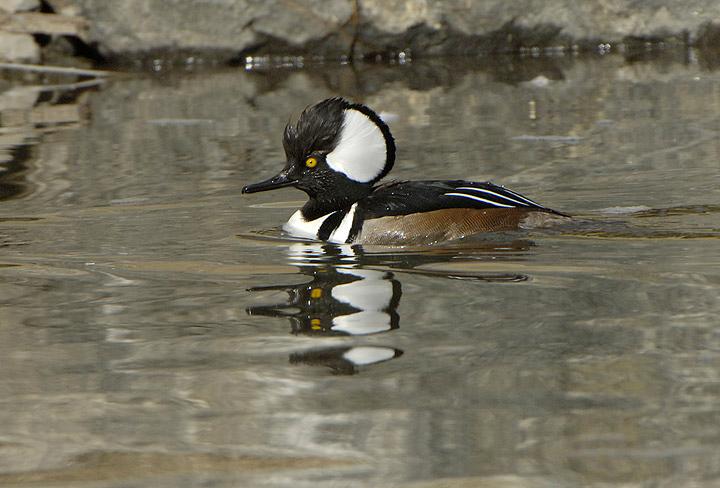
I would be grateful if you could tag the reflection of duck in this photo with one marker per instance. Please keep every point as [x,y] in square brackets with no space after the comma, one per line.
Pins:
[341,299]
[338,301]
[346,360]
[354,293]
[344,297]
[338,152]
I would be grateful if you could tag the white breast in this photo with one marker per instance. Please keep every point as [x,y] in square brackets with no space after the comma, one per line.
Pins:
[299,227]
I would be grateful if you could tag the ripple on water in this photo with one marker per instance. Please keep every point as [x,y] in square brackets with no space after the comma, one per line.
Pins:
[145,302]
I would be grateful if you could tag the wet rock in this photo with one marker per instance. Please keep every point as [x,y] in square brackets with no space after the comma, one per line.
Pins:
[63,51]
[216,28]
[456,26]
[65,7]
[18,48]
[18,5]
[228,29]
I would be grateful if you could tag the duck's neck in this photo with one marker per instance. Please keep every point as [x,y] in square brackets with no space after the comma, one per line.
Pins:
[319,205]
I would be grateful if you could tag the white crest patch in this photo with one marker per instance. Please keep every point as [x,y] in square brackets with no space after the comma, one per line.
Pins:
[361,151]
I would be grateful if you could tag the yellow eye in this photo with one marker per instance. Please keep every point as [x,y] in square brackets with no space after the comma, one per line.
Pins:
[311,162]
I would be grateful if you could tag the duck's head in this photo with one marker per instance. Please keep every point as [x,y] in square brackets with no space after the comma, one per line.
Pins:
[335,152]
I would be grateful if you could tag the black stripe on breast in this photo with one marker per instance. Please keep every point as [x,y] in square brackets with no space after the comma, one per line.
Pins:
[357,223]
[331,223]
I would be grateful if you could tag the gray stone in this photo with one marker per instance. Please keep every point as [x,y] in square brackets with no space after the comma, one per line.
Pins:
[221,28]
[66,7]
[226,29]
[18,48]
[457,25]
[18,5]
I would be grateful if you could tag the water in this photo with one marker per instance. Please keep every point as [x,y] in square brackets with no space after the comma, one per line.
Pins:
[157,330]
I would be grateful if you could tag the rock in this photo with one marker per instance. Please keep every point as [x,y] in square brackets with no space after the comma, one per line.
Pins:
[61,51]
[19,5]
[219,28]
[230,29]
[41,23]
[66,7]
[18,48]
[457,26]
[17,99]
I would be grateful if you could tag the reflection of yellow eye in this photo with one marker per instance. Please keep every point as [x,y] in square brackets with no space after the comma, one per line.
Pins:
[311,162]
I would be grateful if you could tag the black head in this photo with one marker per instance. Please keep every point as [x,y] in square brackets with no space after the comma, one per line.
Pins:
[335,152]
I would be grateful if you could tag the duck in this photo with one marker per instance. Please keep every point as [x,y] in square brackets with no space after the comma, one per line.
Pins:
[338,152]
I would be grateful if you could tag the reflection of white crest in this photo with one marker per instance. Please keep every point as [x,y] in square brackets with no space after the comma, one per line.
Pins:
[371,295]
[362,323]
[372,292]
[364,355]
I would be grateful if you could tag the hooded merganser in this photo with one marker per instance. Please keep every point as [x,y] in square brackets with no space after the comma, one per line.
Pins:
[337,152]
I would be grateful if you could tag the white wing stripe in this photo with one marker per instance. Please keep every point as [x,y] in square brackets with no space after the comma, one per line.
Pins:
[472,197]
[490,192]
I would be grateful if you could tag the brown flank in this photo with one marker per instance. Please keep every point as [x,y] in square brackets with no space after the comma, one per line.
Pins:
[444,225]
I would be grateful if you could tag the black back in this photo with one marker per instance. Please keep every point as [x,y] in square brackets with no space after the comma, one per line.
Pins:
[409,197]
[406,197]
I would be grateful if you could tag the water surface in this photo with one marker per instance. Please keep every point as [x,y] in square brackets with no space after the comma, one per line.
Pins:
[157,330]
